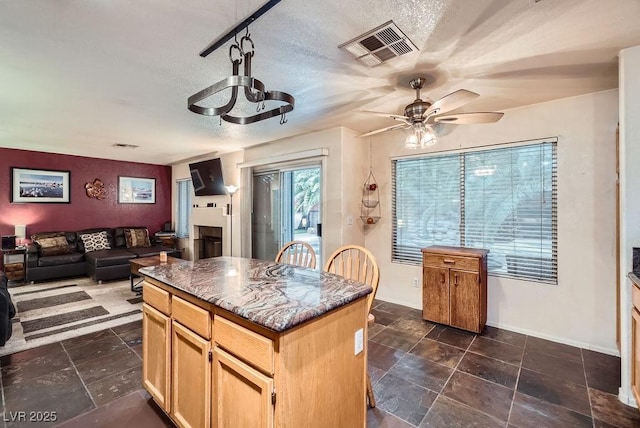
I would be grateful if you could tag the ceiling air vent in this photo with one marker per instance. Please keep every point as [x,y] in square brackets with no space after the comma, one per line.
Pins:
[379,45]
[125,146]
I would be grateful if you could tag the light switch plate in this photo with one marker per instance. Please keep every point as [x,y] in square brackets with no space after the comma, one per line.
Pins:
[349,220]
[359,341]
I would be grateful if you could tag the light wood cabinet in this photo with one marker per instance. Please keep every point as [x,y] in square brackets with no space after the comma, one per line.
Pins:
[156,354]
[239,387]
[190,378]
[454,287]
[308,376]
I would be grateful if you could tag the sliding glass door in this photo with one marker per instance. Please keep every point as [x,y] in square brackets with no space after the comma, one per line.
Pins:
[286,207]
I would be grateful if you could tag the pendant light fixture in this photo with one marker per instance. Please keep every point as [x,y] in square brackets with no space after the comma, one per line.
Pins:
[252,89]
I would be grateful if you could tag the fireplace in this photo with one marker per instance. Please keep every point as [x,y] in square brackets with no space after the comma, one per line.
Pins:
[208,242]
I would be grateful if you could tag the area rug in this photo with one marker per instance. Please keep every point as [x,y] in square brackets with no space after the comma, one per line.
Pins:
[54,311]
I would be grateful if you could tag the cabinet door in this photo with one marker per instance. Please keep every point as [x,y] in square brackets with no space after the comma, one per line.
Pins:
[156,348]
[241,395]
[635,351]
[435,295]
[190,379]
[465,300]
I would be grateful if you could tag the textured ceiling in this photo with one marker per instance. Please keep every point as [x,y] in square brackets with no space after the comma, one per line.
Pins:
[77,76]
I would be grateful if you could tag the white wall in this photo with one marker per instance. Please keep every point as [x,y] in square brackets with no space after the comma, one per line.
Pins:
[580,310]
[231,175]
[629,199]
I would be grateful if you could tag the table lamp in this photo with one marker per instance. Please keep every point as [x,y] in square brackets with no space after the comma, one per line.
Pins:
[20,231]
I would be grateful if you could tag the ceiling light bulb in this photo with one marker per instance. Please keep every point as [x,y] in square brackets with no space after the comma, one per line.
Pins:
[411,142]
[428,138]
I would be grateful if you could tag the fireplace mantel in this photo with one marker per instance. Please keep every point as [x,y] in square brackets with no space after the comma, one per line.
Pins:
[211,217]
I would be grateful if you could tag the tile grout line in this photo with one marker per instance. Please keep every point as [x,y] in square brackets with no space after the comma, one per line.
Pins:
[586,383]
[396,363]
[450,376]
[73,364]
[79,377]
[515,387]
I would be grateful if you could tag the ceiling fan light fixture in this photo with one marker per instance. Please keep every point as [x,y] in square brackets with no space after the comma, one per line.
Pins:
[411,142]
[428,138]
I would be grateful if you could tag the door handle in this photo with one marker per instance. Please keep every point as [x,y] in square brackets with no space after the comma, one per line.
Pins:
[449,261]
[455,278]
[443,277]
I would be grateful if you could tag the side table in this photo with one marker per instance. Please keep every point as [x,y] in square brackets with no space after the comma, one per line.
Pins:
[14,264]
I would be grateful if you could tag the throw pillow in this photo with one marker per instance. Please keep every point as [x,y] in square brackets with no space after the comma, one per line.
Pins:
[95,241]
[53,245]
[137,238]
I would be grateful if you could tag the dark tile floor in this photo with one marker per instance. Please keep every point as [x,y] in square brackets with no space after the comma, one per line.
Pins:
[423,374]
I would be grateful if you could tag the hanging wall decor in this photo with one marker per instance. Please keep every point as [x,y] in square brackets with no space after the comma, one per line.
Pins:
[370,206]
[96,189]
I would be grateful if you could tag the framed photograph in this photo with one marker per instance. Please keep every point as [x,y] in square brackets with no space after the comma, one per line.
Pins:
[40,186]
[135,190]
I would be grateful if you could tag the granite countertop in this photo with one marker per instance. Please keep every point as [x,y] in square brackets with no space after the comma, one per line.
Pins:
[275,296]
[635,277]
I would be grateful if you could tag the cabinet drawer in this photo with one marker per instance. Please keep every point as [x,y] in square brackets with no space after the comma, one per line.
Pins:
[635,295]
[156,297]
[191,316]
[255,349]
[456,262]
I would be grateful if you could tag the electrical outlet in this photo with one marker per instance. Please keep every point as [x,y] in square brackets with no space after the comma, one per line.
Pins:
[359,341]
[349,220]
[415,283]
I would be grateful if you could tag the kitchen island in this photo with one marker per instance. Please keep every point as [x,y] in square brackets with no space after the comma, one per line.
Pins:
[234,342]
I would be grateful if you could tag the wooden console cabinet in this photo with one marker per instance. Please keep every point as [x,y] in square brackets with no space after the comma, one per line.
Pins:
[454,286]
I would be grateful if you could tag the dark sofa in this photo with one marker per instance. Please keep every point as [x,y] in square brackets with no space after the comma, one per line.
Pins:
[7,310]
[101,265]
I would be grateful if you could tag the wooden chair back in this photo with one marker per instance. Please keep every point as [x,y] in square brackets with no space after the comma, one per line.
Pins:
[297,253]
[356,263]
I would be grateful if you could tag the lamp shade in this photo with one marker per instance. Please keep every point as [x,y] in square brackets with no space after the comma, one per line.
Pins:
[20,231]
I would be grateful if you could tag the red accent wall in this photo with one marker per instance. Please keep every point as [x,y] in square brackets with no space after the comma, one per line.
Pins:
[83,212]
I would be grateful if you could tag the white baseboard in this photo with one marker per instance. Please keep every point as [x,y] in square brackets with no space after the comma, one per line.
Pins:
[626,398]
[610,351]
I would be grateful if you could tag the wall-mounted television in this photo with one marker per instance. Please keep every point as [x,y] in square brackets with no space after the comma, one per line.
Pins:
[206,177]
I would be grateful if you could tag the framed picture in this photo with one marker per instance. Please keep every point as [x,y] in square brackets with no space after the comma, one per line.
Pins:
[40,186]
[135,190]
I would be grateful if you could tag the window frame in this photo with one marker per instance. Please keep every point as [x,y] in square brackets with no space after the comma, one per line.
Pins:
[186,182]
[548,266]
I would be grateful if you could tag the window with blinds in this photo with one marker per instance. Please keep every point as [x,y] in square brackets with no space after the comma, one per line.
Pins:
[183,208]
[503,199]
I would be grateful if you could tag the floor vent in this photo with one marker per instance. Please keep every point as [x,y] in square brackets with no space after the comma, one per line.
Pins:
[379,45]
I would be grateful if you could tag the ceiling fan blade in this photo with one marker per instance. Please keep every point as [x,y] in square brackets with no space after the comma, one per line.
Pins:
[389,115]
[469,118]
[451,102]
[388,128]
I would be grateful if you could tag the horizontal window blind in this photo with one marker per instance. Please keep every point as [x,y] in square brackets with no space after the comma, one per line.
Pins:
[426,201]
[183,208]
[506,202]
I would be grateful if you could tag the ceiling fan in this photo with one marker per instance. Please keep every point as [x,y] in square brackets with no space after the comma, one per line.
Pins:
[421,115]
